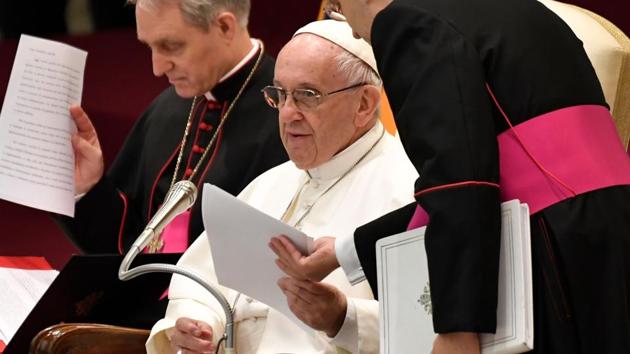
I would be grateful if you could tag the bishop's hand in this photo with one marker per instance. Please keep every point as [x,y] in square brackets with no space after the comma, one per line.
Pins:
[88,161]
[315,266]
[456,343]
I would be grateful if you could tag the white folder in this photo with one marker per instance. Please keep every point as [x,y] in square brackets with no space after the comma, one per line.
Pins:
[404,291]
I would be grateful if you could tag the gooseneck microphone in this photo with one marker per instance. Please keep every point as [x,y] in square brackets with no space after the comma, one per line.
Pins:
[179,198]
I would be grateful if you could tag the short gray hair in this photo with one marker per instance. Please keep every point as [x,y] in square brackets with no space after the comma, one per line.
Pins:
[200,13]
[357,71]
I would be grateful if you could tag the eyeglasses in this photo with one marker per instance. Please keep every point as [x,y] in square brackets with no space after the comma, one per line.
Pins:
[303,98]
[333,10]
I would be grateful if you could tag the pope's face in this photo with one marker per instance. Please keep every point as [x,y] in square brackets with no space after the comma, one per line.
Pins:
[313,136]
[192,59]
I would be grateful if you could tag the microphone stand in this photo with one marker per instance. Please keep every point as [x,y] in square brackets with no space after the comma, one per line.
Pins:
[185,192]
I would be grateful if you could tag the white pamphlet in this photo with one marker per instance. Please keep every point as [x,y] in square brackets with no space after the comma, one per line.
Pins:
[239,235]
[36,157]
[20,290]
[406,324]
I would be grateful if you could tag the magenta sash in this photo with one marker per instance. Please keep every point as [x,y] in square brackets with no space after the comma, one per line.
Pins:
[555,156]
[175,234]
[175,238]
[420,218]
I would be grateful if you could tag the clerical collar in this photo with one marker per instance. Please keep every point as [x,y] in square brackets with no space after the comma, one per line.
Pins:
[348,157]
[228,85]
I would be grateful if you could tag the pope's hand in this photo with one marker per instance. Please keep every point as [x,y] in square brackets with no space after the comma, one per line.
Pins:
[321,306]
[315,266]
[191,336]
[456,343]
[88,161]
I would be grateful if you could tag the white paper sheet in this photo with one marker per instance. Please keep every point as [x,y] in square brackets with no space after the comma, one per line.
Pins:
[36,157]
[20,290]
[239,235]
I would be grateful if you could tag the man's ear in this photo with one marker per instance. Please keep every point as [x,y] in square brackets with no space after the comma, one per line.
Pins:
[369,103]
[227,25]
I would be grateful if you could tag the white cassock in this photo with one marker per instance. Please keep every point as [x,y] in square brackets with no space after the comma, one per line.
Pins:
[370,178]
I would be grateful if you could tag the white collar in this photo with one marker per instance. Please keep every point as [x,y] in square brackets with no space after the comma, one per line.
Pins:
[349,157]
[245,60]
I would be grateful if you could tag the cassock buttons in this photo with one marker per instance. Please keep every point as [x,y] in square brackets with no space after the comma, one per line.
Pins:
[205,126]
[197,149]
[188,172]
[214,105]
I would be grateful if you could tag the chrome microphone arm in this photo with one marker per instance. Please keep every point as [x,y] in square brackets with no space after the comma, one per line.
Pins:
[125,274]
[180,198]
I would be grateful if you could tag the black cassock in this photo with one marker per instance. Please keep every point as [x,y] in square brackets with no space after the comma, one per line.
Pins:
[435,57]
[111,216]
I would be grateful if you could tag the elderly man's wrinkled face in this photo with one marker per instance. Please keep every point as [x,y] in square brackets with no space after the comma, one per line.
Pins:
[191,58]
[313,136]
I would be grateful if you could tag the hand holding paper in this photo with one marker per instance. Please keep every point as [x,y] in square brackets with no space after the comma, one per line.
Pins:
[239,235]
[89,163]
[36,156]
[315,266]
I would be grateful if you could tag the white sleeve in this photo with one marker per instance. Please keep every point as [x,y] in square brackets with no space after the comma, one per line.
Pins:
[348,335]
[359,332]
[349,259]
[189,299]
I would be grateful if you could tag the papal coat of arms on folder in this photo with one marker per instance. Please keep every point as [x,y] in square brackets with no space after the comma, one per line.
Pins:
[405,292]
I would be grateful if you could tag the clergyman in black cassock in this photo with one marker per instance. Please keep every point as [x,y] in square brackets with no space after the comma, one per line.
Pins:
[112,215]
[115,211]
[442,61]
[210,59]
